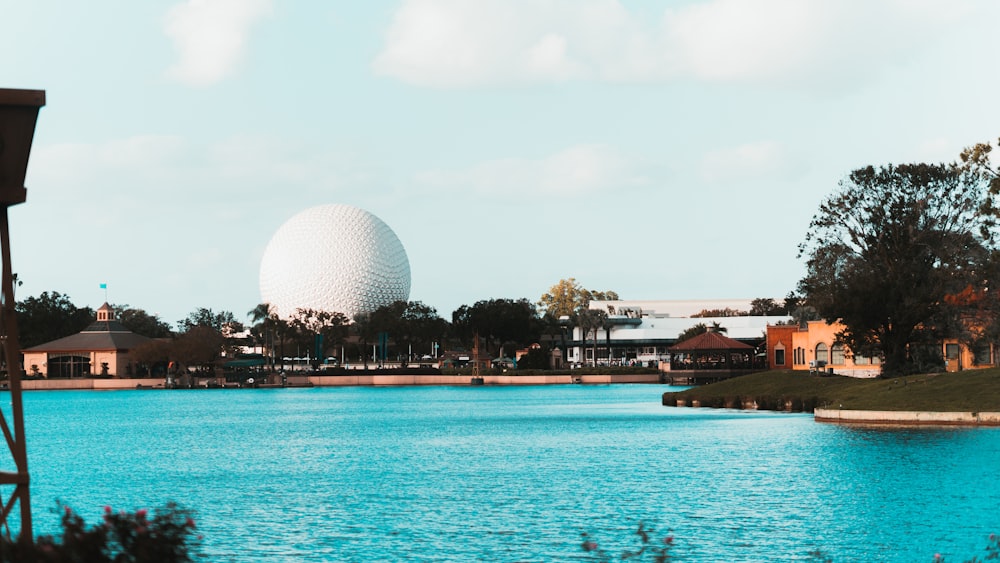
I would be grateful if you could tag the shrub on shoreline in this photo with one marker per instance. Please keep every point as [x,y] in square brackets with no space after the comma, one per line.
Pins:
[167,535]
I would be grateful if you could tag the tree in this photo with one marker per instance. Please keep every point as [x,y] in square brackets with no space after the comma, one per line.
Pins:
[567,298]
[499,321]
[223,321]
[329,327]
[727,312]
[200,346]
[885,251]
[766,307]
[536,358]
[590,321]
[976,159]
[700,328]
[364,331]
[152,356]
[48,317]
[420,326]
[796,307]
[141,322]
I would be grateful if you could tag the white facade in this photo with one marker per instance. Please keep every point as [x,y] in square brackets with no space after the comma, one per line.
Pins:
[642,331]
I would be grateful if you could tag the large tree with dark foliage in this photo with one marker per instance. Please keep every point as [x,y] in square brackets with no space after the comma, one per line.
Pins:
[311,326]
[48,317]
[411,326]
[223,321]
[141,322]
[499,321]
[885,252]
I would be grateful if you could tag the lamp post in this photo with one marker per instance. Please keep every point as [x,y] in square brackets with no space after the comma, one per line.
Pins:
[18,114]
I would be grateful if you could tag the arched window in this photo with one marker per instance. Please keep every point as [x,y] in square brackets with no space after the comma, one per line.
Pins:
[822,352]
[837,355]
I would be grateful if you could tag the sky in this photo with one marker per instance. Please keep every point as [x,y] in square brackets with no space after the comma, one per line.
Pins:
[661,150]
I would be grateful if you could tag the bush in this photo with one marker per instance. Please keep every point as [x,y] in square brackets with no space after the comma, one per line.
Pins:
[124,537]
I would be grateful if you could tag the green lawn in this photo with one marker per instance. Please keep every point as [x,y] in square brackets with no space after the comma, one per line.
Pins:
[966,391]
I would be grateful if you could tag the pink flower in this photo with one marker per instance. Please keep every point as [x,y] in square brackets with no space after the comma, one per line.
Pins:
[938,558]
[589,546]
[141,513]
[107,509]
[68,510]
[189,523]
[669,540]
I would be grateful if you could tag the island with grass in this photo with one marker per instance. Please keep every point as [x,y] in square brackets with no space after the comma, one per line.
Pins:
[969,397]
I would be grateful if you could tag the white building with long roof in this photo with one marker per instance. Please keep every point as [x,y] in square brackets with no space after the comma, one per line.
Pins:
[640,332]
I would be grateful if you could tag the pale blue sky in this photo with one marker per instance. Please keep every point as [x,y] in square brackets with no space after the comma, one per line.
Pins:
[664,150]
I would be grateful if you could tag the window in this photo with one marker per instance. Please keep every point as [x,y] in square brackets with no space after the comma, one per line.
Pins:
[951,351]
[822,353]
[799,356]
[982,354]
[779,357]
[837,355]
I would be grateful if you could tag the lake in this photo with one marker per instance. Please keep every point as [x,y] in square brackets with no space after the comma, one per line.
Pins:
[509,474]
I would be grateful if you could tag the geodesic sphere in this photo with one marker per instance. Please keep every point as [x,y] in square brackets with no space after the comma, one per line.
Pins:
[335,258]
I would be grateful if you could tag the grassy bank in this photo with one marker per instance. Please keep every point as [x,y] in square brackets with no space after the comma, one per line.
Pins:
[966,391]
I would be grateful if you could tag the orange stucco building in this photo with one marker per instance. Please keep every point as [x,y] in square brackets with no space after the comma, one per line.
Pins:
[815,347]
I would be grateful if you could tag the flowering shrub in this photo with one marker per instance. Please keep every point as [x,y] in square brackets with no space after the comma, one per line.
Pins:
[166,536]
[659,551]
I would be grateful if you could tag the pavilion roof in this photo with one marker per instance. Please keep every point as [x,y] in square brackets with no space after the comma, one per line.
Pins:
[710,341]
[99,336]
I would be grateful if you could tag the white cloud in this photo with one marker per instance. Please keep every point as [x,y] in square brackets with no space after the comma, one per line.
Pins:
[751,161]
[453,43]
[210,37]
[171,171]
[575,171]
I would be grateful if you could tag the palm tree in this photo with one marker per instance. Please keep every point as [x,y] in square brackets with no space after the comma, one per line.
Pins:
[265,319]
[364,329]
[590,320]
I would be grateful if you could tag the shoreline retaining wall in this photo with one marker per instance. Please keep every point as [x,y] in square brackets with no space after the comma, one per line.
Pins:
[908,417]
[88,383]
[361,379]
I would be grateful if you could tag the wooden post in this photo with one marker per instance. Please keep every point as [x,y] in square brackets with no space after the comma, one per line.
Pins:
[12,352]
[18,113]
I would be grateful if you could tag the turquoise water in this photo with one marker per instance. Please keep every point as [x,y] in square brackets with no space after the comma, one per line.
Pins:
[509,474]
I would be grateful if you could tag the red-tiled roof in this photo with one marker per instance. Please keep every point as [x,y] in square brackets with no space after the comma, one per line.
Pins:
[710,341]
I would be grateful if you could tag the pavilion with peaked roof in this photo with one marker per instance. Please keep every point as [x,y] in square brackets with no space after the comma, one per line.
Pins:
[101,349]
[713,356]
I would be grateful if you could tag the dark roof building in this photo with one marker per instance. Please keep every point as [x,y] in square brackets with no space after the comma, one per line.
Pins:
[100,349]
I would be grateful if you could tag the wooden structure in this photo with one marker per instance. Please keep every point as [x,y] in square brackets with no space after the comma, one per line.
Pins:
[18,114]
[709,357]
[101,349]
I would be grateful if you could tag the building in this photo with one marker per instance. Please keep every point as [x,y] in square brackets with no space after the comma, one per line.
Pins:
[101,349]
[642,332]
[814,347]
